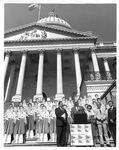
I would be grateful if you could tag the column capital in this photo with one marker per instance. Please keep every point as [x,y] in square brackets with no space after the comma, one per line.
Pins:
[8,52]
[105,59]
[93,49]
[59,50]
[41,51]
[25,51]
[76,50]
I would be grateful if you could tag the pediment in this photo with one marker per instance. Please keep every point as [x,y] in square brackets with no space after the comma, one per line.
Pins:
[36,34]
[41,32]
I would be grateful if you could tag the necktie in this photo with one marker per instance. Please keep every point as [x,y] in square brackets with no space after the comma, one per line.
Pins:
[100,110]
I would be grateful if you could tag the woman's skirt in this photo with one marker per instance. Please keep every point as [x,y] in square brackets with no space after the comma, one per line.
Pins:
[16,127]
[40,126]
[9,126]
[31,125]
[21,129]
[6,123]
[37,125]
[45,125]
[52,125]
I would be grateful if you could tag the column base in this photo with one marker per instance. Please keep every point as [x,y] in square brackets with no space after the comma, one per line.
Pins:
[38,97]
[78,94]
[16,98]
[59,97]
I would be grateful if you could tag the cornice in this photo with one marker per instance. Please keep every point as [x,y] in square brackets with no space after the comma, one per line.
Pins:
[50,39]
[106,55]
[70,31]
[50,47]
[105,47]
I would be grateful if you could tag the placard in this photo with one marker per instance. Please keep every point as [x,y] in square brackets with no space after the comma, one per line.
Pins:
[81,135]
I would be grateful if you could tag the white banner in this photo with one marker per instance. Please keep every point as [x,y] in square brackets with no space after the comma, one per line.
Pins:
[81,135]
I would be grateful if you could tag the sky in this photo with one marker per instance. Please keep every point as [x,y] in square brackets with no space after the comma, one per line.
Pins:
[98,18]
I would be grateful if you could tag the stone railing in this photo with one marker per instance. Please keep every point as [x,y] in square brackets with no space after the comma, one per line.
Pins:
[90,76]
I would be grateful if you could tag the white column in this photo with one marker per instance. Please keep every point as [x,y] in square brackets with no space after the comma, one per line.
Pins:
[77,70]
[6,62]
[39,87]
[59,94]
[95,61]
[107,69]
[106,65]
[18,96]
[95,64]
[10,83]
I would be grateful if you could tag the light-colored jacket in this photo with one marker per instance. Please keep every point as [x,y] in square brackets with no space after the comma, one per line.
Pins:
[101,115]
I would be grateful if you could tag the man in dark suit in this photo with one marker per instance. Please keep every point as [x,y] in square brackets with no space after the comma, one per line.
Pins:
[76,109]
[112,120]
[61,124]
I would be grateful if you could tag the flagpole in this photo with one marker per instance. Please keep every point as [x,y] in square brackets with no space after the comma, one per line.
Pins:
[39,7]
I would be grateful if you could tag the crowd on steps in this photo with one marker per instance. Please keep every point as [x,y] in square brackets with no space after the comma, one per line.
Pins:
[37,119]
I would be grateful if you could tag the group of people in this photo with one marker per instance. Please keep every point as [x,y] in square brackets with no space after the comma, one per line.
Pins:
[29,120]
[50,120]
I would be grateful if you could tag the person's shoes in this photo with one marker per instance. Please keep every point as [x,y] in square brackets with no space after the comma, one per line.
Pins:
[102,145]
[13,141]
[108,145]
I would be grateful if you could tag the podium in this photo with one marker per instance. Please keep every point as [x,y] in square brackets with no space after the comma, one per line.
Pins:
[81,131]
[80,118]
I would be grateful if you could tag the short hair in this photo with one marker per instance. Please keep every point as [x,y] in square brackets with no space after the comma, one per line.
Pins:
[11,106]
[44,106]
[41,105]
[29,104]
[64,105]
[59,102]
[89,106]
[21,106]
[93,99]
[110,101]
[53,106]
[98,99]
[86,105]
[98,104]
[35,102]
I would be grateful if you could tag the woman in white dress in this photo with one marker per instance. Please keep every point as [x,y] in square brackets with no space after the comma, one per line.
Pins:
[53,124]
[31,119]
[46,117]
[9,122]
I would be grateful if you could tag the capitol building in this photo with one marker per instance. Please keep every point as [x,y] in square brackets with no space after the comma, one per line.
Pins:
[48,58]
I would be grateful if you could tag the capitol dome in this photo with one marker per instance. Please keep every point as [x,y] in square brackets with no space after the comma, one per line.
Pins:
[54,20]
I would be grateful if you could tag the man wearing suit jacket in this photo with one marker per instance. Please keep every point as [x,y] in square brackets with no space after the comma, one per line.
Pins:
[112,120]
[61,124]
[76,109]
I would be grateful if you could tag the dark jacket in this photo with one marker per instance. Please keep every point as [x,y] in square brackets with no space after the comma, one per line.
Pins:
[75,111]
[112,115]
[60,121]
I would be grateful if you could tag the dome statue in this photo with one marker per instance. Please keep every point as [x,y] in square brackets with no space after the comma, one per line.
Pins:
[54,20]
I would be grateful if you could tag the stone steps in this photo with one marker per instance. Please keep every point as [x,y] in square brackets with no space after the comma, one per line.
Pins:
[31,142]
[35,142]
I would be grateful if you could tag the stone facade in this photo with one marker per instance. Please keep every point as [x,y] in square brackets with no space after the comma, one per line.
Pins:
[53,58]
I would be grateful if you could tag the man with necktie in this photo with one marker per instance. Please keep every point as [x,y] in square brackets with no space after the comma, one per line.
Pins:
[112,120]
[76,109]
[61,124]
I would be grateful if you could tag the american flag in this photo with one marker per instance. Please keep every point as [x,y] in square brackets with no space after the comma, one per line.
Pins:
[33,6]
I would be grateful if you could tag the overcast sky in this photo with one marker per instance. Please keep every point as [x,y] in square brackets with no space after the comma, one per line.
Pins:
[98,18]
